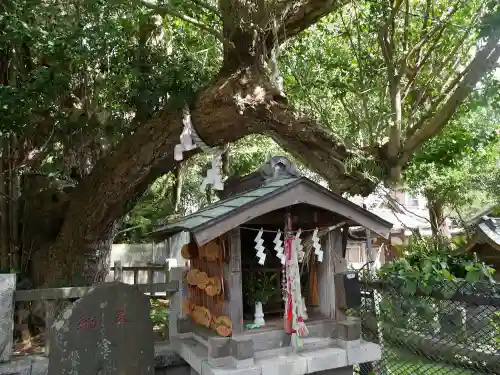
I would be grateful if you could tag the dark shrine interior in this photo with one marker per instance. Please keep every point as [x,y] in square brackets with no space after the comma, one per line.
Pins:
[303,216]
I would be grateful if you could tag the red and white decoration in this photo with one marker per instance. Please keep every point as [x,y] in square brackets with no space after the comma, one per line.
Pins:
[294,303]
[300,248]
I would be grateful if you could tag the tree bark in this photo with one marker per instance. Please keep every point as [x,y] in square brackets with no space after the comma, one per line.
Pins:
[4,223]
[437,218]
[177,188]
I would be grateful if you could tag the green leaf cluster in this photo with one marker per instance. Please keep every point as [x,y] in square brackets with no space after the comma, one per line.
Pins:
[428,262]
[259,287]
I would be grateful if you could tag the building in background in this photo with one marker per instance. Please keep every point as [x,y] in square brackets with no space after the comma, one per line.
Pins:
[486,242]
[409,215]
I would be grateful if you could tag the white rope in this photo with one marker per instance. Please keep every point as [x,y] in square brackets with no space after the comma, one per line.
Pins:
[329,228]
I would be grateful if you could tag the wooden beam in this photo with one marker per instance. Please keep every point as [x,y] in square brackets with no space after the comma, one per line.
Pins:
[345,236]
[234,287]
[326,274]
[118,271]
[78,292]
[156,267]
[304,193]
[303,216]
[49,319]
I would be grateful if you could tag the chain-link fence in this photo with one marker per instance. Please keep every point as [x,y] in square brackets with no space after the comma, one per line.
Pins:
[450,329]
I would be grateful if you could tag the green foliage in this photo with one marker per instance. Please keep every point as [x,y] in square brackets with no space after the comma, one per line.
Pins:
[336,72]
[156,204]
[417,288]
[259,287]
[428,262]
[158,313]
[494,321]
[85,73]
[457,168]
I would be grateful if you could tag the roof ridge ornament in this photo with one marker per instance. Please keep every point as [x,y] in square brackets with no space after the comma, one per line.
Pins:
[277,167]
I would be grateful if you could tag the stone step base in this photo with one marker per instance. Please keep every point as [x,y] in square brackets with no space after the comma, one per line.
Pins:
[282,361]
[165,358]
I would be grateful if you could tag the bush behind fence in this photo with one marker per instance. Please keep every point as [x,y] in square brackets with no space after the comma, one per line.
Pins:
[450,329]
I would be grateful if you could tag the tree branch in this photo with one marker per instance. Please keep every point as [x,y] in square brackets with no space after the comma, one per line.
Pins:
[297,15]
[484,62]
[203,5]
[355,119]
[427,35]
[387,44]
[317,147]
[437,72]
[166,9]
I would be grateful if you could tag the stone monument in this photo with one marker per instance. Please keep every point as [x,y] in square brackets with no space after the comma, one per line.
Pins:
[107,332]
[7,287]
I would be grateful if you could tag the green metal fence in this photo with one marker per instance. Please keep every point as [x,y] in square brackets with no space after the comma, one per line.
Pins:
[450,329]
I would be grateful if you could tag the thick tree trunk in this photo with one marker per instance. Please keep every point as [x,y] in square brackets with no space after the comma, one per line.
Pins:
[437,218]
[246,97]
[236,104]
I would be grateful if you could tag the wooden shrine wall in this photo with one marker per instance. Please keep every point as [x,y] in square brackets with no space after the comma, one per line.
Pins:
[214,281]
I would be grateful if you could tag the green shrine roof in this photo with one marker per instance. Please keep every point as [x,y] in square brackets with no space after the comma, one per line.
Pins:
[216,219]
[225,206]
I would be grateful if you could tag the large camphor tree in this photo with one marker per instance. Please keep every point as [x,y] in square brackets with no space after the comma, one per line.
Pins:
[352,89]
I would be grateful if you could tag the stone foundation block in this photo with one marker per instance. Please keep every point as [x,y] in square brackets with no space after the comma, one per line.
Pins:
[365,352]
[338,371]
[219,347]
[325,359]
[348,344]
[349,330]
[291,364]
[193,353]
[241,349]
[207,369]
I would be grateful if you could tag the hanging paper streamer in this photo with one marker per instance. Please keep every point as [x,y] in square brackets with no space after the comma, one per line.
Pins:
[190,140]
[299,329]
[186,137]
[259,247]
[304,309]
[278,246]
[317,246]
[300,248]
[214,176]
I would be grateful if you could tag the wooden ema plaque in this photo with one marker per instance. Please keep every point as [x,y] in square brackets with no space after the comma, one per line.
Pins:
[205,304]
[189,251]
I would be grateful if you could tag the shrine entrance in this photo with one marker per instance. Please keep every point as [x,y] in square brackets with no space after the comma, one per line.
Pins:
[265,283]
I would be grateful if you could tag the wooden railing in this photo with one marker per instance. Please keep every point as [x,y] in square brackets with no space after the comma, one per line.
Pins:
[49,296]
[151,270]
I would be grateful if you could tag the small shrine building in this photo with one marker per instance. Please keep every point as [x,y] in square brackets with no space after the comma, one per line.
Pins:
[277,237]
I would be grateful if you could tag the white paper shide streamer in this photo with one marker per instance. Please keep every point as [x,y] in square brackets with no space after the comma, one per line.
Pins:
[300,248]
[278,246]
[317,246]
[260,247]
[214,176]
[189,140]
[298,314]
[186,137]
